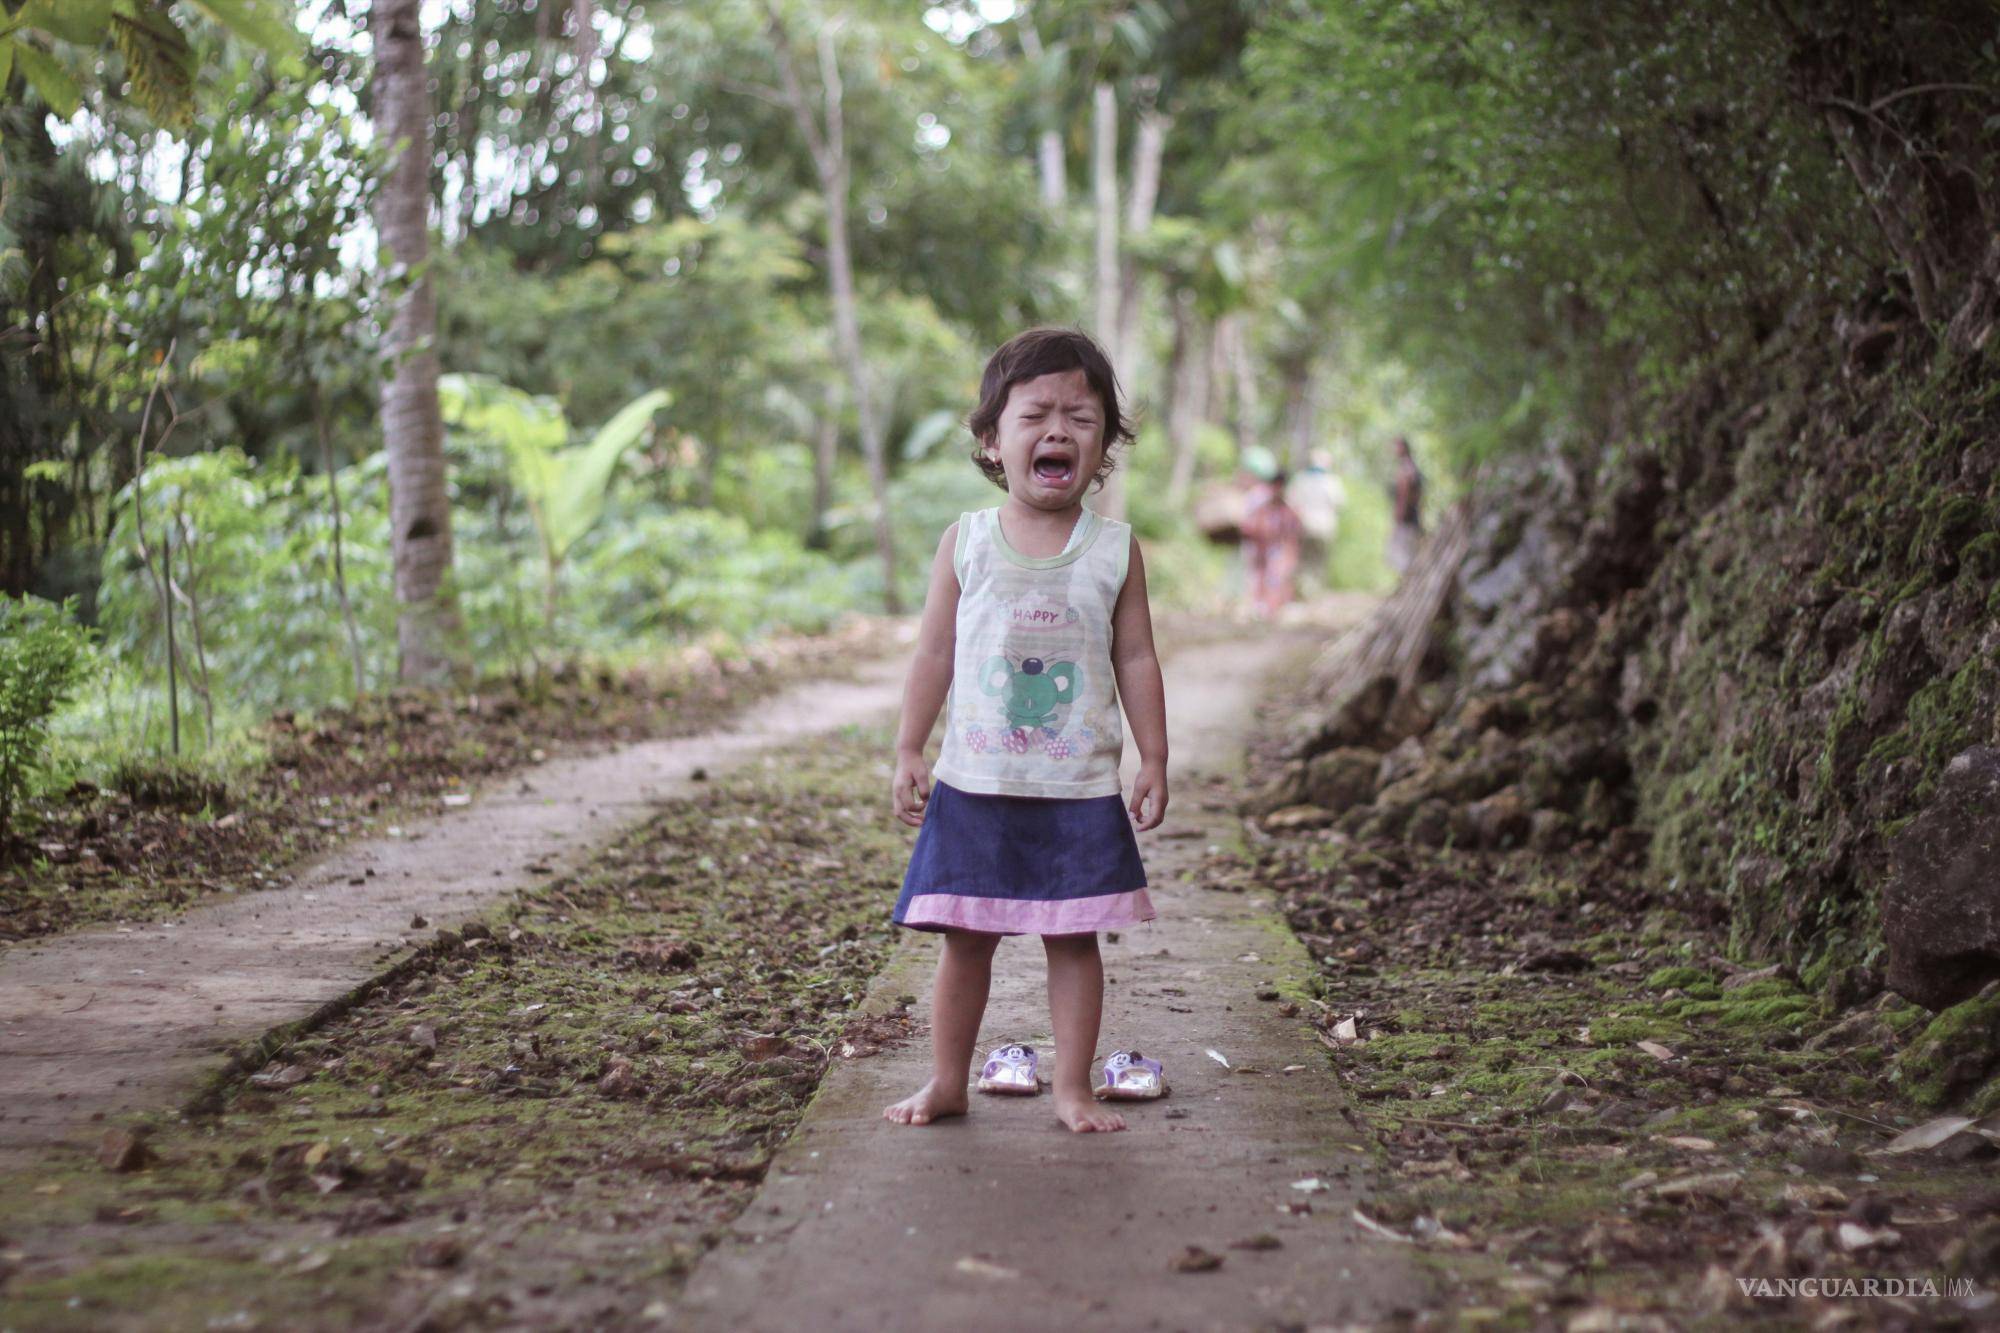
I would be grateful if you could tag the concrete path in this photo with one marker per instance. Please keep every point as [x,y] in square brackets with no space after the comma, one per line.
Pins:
[120,1019]
[1004,1219]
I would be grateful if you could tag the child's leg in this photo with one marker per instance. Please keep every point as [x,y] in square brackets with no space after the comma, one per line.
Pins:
[1076,1006]
[958,1002]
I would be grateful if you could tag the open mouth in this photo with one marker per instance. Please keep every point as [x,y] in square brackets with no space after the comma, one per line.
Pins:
[1054,470]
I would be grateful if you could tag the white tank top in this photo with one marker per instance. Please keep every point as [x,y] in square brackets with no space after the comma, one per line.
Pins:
[1033,708]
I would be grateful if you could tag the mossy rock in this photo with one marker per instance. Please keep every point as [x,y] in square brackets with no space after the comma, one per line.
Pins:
[1690,979]
[1987,1100]
[1955,1053]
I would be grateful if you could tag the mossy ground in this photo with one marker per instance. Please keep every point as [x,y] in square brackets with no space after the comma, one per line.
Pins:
[1555,1052]
[543,1123]
[1516,1109]
[165,836]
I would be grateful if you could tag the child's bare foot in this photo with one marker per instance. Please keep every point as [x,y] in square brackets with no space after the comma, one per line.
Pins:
[1080,1111]
[926,1104]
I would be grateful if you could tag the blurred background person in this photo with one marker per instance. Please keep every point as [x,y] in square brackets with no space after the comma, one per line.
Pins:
[1317,496]
[1406,508]
[1271,533]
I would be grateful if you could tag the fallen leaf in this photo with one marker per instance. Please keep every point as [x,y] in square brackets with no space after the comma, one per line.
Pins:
[1346,1030]
[424,1035]
[313,1262]
[1929,1134]
[618,1079]
[316,1154]
[1714,1185]
[1310,1185]
[1808,1195]
[1195,1259]
[764,1046]
[1690,1142]
[437,1252]
[1853,1236]
[1218,1057]
[977,1267]
[1263,1240]
[1374,1228]
[1657,1051]
[288,1077]
[122,1150]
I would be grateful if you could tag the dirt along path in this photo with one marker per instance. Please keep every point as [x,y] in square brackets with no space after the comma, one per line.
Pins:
[112,1020]
[1004,1218]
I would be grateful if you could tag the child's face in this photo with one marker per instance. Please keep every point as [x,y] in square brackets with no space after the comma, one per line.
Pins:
[1050,439]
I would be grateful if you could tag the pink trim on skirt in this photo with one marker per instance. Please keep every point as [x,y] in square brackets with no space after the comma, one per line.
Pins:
[1029,916]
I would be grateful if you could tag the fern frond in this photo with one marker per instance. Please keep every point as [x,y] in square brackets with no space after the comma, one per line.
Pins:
[158,62]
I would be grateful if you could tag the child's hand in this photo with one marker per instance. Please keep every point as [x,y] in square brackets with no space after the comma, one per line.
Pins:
[912,789]
[1149,796]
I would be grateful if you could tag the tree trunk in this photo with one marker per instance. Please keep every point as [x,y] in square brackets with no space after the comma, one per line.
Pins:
[828,146]
[847,327]
[412,427]
[1215,407]
[1052,172]
[1246,388]
[1882,198]
[1187,395]
[1300,411]
[825,454]
[1054,175]
[1104,177]
[326,463]
[1147,152]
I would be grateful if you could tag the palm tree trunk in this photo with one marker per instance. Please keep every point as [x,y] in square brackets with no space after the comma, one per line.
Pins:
[1147,152]
[1246,388]
[1187,396]
[828,147]
[1104,177]
[825,446]
[1054,177]
[412,426]
[1052,172]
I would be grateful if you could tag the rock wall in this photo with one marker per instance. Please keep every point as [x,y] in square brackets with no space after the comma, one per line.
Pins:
[1746,643]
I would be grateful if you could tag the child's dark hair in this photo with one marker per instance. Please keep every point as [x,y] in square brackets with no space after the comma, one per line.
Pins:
[1039,352]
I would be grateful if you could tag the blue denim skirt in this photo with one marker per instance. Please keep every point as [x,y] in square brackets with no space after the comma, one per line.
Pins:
[1023,865]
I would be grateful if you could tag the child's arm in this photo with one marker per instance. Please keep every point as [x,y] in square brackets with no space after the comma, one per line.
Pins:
[930,678]
[1137,669]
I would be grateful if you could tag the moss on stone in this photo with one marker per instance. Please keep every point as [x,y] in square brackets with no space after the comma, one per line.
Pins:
[1690,979]
[1953,1053]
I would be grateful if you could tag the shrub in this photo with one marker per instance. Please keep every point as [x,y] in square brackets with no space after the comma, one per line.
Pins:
[42,655]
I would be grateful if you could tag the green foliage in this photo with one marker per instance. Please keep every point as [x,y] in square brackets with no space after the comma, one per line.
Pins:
[252,552]
[54,43]
[42,656]
[257,618]
[564,488]
[666,574]
[1357,558]
[1530,202]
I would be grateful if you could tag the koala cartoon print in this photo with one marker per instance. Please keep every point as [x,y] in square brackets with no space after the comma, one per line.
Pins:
[1030,692]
